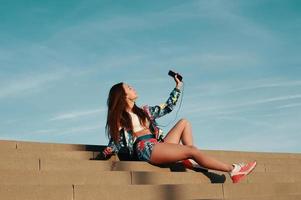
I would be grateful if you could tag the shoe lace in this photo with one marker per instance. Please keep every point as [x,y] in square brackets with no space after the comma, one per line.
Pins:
[242,164]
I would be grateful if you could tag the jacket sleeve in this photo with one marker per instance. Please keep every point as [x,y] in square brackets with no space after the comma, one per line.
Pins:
[113,146]
[164,108]
[104,155]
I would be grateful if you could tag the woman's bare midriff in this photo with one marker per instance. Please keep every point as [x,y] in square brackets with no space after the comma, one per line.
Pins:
[142,132]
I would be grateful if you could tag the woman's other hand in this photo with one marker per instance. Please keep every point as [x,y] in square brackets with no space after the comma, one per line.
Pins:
[107,152]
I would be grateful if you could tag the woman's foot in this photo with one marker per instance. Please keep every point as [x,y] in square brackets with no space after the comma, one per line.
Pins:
[241,170]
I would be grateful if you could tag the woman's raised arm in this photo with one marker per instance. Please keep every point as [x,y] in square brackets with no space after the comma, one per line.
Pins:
[164,108]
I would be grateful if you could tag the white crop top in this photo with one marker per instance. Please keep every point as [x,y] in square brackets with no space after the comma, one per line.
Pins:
[136,124]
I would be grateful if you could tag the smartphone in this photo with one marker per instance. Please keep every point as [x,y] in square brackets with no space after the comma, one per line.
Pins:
[173,74]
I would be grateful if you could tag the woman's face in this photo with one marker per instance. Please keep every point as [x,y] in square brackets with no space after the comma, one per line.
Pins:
[130,91]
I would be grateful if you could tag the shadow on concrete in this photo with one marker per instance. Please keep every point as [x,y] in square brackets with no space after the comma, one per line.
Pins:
[215,178]
[96,148]
[171,192]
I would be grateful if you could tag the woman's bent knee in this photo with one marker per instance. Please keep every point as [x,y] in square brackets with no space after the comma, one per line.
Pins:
[191,151]
[184,120]
[192,147]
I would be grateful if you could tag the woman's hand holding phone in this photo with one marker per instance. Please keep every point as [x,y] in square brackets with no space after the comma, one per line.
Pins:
[178,82]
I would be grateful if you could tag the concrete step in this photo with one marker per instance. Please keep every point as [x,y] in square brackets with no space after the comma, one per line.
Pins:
[95,192]
[253,155]
[138,178]
[158,178]
[36,192]
[190,191]
[31,170]
[43,146]
[208,177]
[270,197]
[255,190]
[68,177]
[76,155]
[53,162]
[149,192]
[19,163]
[137,166]
[86,165]
[187,191]
[257,177]
[55,177]
[226,156]
[87,155]
[144,166]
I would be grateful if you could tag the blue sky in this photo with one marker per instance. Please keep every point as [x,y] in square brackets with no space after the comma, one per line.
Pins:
[240,61]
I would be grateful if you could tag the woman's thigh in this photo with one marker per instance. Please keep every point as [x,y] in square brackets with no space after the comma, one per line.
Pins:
[175,133]
[169,153]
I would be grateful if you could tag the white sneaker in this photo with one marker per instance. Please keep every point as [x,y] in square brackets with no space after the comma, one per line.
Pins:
[241,170]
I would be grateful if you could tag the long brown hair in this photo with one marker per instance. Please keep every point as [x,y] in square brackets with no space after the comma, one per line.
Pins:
[117,115]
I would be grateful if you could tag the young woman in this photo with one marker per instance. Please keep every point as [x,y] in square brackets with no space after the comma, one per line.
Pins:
[135,128]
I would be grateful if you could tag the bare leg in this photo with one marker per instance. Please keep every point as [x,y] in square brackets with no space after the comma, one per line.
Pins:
[168,153]
[180,132]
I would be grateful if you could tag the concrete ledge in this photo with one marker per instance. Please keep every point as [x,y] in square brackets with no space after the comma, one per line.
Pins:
[39,146]
[274,177]
[282,168]
[36,192]
[19,154]
[263,160]
[254,155]
[7,145]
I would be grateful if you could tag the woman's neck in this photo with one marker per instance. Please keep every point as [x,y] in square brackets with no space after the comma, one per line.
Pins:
[130,107]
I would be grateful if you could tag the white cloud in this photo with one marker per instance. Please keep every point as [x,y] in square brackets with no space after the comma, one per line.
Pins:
[290,105]
[147,80]
[71,130]
[267,85]
[76,114]
[232,86]
[269,100]
[196,107]
[28,83]
[218,60]
[47,133]
[228,14]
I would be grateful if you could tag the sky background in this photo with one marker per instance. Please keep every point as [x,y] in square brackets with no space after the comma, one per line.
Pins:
[240,61]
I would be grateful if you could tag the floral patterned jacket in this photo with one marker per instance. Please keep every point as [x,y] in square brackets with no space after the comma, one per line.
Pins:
[126,138]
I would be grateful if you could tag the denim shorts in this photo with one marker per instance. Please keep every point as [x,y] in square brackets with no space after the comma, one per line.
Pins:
[144,148]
